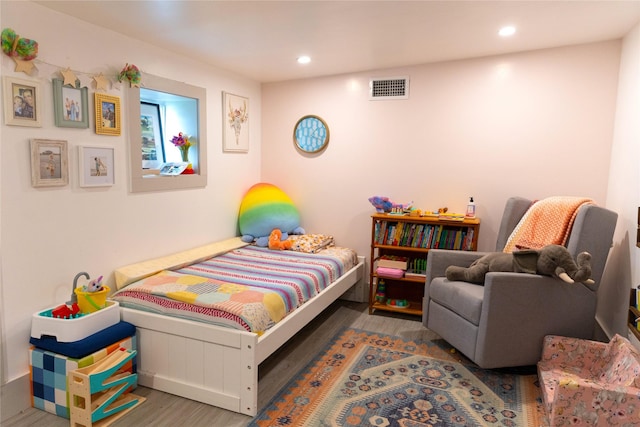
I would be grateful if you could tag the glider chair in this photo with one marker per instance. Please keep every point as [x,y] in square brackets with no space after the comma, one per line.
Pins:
[503,322]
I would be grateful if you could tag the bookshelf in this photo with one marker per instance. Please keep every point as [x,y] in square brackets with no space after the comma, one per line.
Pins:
[409,239]
[634,313]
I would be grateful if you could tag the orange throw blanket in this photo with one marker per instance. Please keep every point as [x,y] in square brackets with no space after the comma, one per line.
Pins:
[547,222]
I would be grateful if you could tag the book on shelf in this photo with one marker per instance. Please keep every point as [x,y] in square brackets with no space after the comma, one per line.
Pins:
[392,261]
[415,274]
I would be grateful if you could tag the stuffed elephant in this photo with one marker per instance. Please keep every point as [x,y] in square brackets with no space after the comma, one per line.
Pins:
[551,260]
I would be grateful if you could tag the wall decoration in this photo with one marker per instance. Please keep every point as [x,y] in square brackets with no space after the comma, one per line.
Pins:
[22,102]
[152,141]
[70,105]
[236,120]
[49,163]
[131,73]
[21,50]
[95,166]
[311,134]
[107,109]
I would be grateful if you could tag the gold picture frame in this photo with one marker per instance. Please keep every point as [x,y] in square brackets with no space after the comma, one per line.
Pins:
[49,163]
[108,117]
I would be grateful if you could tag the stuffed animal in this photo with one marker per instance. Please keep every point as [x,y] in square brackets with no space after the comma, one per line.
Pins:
[95,285]
[551,260]
[383,204]
[263,209]
[276,242]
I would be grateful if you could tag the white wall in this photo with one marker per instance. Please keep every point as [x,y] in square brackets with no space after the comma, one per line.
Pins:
[533,124]
[624,193]
[50,234]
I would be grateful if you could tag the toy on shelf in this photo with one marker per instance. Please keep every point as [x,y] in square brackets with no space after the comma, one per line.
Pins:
[381,292]
[398,303]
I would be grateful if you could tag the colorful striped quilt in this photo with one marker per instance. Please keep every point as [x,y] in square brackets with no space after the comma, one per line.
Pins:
[250,288]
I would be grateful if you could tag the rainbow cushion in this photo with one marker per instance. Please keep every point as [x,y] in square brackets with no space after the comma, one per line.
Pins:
[264,208]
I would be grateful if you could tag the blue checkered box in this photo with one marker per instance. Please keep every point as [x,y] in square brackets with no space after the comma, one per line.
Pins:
[48,374]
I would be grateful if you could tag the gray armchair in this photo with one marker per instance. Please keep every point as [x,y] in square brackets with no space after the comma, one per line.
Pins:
[503,322]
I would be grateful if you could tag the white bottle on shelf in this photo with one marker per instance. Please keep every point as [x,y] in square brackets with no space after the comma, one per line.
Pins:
[471,209]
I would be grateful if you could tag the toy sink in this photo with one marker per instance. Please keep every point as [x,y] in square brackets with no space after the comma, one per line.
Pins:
[71,330]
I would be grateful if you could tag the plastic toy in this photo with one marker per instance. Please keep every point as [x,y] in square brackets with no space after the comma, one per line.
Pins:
[65,312]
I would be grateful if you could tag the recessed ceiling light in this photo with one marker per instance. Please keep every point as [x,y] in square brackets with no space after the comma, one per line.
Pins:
[304,59]
[507,31]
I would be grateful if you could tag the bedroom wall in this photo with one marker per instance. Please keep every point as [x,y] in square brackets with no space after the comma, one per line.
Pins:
[533,124]
[51,234]
[623,194]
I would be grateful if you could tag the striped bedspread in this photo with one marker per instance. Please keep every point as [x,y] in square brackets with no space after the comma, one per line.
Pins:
[250,288]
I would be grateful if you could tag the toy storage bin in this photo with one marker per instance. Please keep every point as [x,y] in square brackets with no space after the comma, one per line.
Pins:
[70,330]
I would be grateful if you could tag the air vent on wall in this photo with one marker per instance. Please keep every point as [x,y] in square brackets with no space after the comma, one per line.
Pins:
[389,88]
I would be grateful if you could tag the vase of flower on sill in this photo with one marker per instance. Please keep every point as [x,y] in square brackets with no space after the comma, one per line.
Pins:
[184,143]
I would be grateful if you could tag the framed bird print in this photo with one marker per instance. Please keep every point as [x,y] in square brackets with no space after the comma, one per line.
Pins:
[236,120]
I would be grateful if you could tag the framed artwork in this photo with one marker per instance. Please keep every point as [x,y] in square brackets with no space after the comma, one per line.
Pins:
[70,105]
[107,114]
[22,102]
[95,165]
[49,163]
[152,141]
[236,123]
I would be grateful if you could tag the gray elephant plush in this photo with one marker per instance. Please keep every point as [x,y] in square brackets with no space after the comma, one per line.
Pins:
[551,260]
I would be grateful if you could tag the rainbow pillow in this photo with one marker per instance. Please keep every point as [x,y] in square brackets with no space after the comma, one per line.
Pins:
[264,208]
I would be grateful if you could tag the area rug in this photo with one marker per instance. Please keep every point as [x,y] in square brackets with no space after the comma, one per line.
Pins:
[369,379]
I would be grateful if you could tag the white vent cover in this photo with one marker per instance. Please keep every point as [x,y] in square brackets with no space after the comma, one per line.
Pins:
[389,88]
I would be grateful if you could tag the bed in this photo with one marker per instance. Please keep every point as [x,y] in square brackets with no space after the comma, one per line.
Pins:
[184,352]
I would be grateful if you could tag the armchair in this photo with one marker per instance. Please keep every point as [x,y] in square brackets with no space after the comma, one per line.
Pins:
[503,322]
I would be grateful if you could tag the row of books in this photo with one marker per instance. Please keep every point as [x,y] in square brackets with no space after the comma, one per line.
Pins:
[426,236]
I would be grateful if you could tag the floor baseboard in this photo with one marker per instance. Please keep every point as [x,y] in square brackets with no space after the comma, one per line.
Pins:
[16,397]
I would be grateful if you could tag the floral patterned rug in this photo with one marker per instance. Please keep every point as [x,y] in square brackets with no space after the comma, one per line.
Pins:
[369,379]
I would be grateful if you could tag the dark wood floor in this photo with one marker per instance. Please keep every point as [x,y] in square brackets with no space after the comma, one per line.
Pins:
[162,409]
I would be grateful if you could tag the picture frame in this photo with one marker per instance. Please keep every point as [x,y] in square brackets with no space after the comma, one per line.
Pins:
[108,118]
[153,154]
[236,123]
[96,166]
[22,102]
[49,163]
[70,105]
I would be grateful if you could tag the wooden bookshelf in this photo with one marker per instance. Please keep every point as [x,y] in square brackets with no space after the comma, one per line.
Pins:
[634,313]
[412,237]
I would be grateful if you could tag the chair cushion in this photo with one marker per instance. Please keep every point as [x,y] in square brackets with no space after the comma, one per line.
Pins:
[462,298]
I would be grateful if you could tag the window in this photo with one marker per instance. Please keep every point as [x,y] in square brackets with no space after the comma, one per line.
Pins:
[157,112]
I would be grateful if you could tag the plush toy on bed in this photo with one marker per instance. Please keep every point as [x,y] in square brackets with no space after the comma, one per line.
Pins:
[276,242]
[264,209]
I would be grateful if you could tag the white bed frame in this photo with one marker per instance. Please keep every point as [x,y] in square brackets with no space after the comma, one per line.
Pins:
[213,364]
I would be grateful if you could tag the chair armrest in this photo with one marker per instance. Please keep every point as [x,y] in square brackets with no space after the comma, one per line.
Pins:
[538,305]
[562,352]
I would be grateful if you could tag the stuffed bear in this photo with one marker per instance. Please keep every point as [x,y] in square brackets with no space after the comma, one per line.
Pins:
[263,209]
[551,260]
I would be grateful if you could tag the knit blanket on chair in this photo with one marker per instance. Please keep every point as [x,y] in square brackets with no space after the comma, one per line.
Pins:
[546,222]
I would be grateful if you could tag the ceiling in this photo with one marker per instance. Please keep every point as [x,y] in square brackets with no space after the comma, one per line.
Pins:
[262,39]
